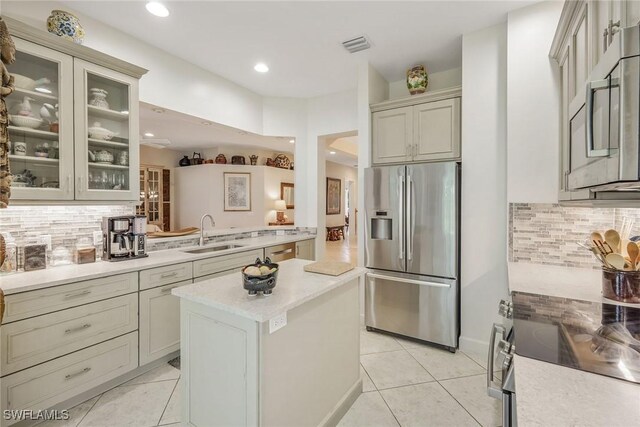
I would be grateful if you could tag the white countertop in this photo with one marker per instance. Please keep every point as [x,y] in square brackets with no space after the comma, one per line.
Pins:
[548,395]
[31,280]
[294,287]
[564,282]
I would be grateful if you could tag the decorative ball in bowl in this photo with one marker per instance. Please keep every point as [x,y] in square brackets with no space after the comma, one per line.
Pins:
[260,276]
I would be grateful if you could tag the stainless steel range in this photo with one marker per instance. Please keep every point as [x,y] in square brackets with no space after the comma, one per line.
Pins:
[412,247]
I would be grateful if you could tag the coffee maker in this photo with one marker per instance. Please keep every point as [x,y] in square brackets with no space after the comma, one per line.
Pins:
[124,237]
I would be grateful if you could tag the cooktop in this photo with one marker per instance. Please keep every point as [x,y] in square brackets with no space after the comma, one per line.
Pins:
[596,337]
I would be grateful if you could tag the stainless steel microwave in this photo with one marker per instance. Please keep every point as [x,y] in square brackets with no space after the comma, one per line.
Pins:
[604,132]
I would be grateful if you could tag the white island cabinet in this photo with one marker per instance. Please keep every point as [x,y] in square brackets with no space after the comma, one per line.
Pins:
[291,358]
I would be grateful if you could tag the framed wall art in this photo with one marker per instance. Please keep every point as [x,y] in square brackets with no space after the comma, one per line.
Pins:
[334,196]
[237,192]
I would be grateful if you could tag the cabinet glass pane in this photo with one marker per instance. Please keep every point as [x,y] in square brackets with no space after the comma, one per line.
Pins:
[108,133]
[140,209]
[33,122]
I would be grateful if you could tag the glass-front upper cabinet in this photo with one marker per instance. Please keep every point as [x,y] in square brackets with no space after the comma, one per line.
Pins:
[106,126]
[41,124]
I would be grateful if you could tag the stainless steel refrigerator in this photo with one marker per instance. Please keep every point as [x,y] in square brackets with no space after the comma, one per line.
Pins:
[412,249]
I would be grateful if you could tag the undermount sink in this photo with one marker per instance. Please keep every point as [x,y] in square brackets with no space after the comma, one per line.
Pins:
[212,249]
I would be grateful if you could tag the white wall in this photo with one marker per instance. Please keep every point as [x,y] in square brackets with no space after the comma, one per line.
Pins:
[533,105]
[344,174]
[484,192]
[437,81]
[171,82]
[200,190]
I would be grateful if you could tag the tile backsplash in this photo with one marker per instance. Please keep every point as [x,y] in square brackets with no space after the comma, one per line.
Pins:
[549,233]
[65,224]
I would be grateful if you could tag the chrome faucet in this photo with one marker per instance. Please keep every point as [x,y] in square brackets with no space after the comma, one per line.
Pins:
[213,224]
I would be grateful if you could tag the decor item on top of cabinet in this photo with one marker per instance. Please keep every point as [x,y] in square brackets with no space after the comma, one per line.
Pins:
[237,192]
[196,159]
[334,196]
[184,161]
[417,80]
[65,25]
[253,159]
[271,162]
[221,159]
[237,160]
[281,161]
[286,194]
[209,162]
[7,56]
[98,98]
[98,132]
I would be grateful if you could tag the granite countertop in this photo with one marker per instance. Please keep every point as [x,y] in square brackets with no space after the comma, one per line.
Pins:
[28,281]
[294,287]
[549,394]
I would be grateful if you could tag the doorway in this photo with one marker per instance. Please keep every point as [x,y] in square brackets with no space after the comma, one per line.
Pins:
[340,197]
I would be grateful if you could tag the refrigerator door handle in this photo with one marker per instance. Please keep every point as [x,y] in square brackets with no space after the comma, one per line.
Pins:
[409,227]
[401,212]
[409,281]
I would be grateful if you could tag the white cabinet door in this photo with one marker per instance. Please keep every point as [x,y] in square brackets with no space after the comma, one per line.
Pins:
[106,131]
[392,135]
[41,156]
[437,130]
[159,322]
[306,249]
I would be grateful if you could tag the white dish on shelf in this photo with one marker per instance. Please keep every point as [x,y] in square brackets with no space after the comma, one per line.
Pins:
[25,121]
[98,132]
[103,163]
[27,83]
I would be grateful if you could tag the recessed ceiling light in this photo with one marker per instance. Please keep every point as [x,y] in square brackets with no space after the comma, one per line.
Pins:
[261,67]
[42,90]
[332,152]
[159,110]
[157,9]
[149,135]
[206,123]
[292,141]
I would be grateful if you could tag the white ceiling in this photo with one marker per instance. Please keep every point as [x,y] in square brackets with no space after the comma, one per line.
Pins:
[188,132]
[301,41]
[345,149]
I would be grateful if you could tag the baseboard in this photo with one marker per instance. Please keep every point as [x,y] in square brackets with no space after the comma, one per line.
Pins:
[470,345]
[341,408]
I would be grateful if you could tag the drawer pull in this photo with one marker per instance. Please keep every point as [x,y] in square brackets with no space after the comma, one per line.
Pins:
[167,275]
[78,294]
[79,328]
[75,374]
[285,251]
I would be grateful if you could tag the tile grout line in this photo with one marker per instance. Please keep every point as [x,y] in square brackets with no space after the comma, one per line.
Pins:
[168,400]
[87,413]
[458,402]
[390,410]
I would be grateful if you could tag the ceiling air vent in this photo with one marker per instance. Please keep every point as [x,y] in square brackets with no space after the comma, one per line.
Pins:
[357,44]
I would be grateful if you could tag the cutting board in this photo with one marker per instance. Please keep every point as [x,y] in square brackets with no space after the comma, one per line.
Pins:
[175,233]
[330,268]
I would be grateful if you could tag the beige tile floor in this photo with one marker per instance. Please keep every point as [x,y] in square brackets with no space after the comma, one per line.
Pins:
[345,250]
[404,384]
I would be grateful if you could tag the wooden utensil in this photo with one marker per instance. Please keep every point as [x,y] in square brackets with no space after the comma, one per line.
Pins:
[617,261]
[612,237]
[633,251]
[624,247]
[597,236]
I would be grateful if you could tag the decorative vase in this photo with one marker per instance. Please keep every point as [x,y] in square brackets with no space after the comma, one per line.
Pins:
[65,25]
[417,80]
[99,98]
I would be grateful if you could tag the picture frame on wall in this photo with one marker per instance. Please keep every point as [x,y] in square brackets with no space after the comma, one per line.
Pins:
[286,194]
[237,192]
[334,196]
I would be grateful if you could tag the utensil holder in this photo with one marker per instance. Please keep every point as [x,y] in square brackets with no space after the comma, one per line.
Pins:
[622,286]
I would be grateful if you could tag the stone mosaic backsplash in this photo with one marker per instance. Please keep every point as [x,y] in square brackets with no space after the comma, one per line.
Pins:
[549,233]
[65,224]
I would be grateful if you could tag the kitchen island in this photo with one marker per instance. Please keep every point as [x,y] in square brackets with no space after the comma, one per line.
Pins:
[291,358]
